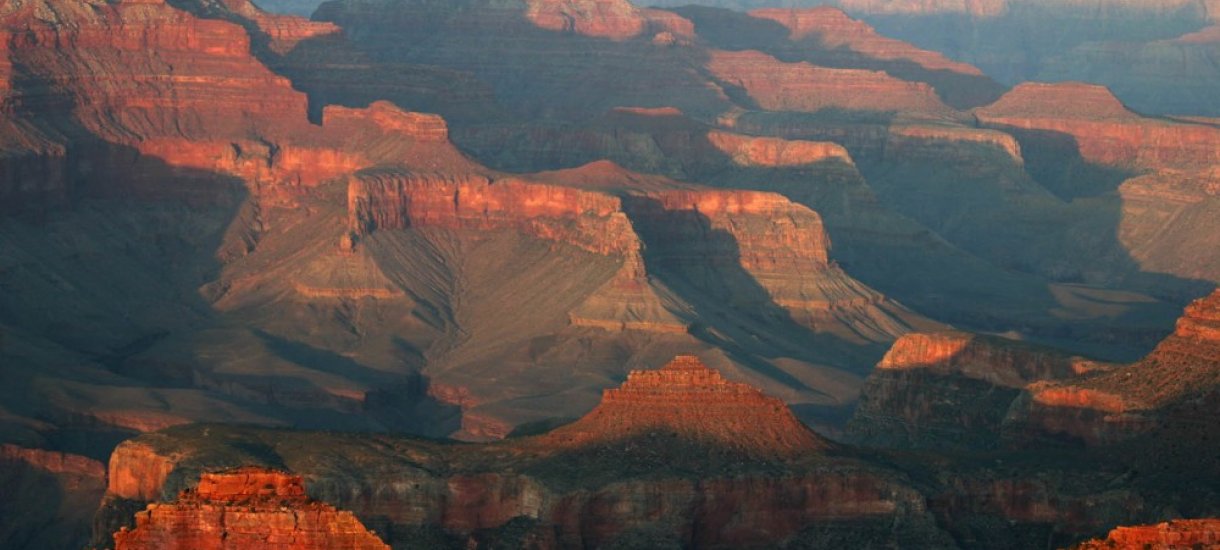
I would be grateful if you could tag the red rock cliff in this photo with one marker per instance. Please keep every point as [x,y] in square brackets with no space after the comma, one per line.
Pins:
[1182,533]
[688,398]
[396,200]
[247,509]
[1103,129]
[778,86]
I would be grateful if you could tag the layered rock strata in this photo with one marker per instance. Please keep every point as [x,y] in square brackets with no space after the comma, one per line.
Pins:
[247,508]
[688,398]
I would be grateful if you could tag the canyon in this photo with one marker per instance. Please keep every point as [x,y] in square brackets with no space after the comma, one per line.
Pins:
[915,300]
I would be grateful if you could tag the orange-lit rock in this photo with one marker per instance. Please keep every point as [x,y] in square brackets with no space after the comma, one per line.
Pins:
[953,389]
[248,508]
[1181,533]
[690,399]
[398,200]
[137,472]
[1103,130]
[614,19]
[778,86]
[775,152]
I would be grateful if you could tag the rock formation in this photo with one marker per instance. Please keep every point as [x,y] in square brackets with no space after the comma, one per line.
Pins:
[692,401]
[247,508]
[670,450]
[777,86]
[1184,533]
[952,389]
[1103,129]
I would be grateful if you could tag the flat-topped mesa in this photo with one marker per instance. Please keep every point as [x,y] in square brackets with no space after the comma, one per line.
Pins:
[834,29]
[392,199]
[1102,129]
[688,399]
[250,509]
[778,86]
[1180,533]
[1059,100]
[770,152]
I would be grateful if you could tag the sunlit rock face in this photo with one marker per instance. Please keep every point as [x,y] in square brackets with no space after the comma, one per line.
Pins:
[1183,533]
[688,398]
[247,508]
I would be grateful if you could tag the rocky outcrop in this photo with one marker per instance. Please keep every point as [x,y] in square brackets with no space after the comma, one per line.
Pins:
[953,389]
[687,398]
[777,86]
[762,251]
[184,94]
[1090,119]
[397,200]
[247,508]
[1182,533]
[767,152]
[963,390]
[835,30]
[613,19]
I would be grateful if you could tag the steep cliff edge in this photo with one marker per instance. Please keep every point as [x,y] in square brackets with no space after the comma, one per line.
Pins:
[247,508]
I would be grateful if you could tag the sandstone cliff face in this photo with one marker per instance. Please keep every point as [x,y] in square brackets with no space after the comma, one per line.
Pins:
[777,86]
[592,221]
[247,508]
[1183,533]
[187,91]
[688,398]
[1103,130]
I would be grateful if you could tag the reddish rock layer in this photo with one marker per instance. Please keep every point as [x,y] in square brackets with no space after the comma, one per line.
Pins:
[614,19]
[188,92]
[770,152]
[953,389]
[395,200]
[247,509]
[1200,534]
[1103,129]
[1185,364]
[54,462]
[994,360]
[834,29]
[688,398]
[778,86]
